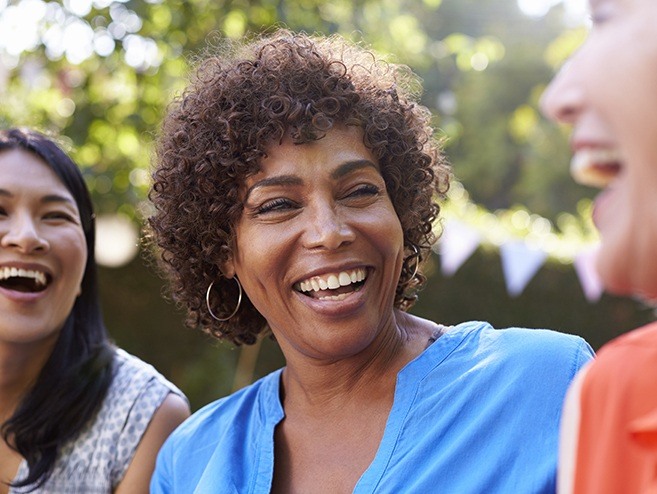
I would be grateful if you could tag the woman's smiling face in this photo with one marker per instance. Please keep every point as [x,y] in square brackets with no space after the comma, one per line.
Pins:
[607,92]
[43,251]
[319,246]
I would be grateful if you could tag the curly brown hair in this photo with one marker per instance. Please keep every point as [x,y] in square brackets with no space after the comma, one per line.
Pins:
[252,94]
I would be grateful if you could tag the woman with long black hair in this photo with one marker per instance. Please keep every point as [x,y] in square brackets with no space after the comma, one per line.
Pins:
[77,414]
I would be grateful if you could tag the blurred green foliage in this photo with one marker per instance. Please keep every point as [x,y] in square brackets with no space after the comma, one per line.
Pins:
[483,63]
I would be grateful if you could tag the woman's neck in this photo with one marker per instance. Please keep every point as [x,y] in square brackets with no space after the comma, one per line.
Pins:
[369,375]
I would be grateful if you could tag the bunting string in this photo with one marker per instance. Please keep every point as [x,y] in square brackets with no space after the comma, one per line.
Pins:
[525,241]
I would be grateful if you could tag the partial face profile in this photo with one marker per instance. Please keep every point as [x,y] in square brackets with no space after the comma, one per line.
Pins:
[42,250]
[608,93]
[319,246]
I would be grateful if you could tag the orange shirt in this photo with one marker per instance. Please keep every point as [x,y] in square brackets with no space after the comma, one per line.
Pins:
[616,449]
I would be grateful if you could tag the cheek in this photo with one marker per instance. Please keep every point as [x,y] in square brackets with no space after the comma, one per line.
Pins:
[259,259]
[389,234]
[628,90]
[77,262]
[627,261]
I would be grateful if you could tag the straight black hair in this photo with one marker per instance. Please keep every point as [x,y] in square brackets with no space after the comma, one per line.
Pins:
[75,379]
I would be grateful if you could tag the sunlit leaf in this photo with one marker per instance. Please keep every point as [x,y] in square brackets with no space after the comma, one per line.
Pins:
[564,46]
[235,24]
[523,123]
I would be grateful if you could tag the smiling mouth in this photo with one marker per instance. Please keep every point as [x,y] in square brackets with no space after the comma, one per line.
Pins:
[23,280]
[333,286]
[595,167]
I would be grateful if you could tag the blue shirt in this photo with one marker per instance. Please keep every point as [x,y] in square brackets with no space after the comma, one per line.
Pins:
[478,411]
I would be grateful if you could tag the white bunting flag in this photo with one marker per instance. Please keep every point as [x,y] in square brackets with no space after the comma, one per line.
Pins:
[584,262]
[457,243]
[520,263]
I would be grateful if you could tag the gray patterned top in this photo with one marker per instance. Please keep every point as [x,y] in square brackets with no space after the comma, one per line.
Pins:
[96,461]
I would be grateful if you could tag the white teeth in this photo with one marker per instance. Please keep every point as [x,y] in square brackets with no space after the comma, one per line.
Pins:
[344,279]
[7,272]
[595,167]
[332,281]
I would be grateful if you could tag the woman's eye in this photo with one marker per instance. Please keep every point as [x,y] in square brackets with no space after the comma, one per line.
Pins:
[597,19]
[59,215]
[275,205]
[365,190]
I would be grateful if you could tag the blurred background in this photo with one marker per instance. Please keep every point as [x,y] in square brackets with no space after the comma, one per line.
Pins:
[517,243]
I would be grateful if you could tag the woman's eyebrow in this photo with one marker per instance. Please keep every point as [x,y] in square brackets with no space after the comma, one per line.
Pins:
[274,181]
[342,170]
[350,166]
[45,199]
[56,198]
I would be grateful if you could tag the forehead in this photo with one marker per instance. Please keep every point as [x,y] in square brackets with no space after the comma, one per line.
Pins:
[340,145]
[27,172]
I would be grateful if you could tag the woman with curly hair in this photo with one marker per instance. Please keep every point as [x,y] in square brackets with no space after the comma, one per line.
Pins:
[295,193]
[77,414]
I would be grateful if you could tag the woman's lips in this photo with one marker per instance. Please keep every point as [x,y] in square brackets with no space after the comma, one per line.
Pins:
[595,167]
[22,297]
[341,293]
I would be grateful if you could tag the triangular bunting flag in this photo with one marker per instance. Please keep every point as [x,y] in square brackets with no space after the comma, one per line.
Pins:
[588,276]
[457,243]
[519,264]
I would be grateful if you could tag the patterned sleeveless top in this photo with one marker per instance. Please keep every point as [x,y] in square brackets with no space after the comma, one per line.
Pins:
[97,459]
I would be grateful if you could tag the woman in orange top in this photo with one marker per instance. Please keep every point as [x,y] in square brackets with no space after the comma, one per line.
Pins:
[607,92]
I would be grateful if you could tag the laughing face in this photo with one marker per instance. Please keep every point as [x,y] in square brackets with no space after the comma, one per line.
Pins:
[607,92]
[42,250]
[319,246]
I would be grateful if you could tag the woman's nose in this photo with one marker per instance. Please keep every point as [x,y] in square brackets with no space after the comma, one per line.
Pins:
[327,228]
[563,99]
[22,235]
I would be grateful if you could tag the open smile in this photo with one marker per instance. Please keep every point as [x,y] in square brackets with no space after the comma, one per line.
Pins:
[333,286]
[23,280]
[595,167]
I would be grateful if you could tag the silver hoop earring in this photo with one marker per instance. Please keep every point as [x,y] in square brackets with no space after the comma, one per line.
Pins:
[239,301]
[416,256]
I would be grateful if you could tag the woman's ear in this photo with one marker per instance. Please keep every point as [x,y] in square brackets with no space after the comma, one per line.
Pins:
[228,266]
